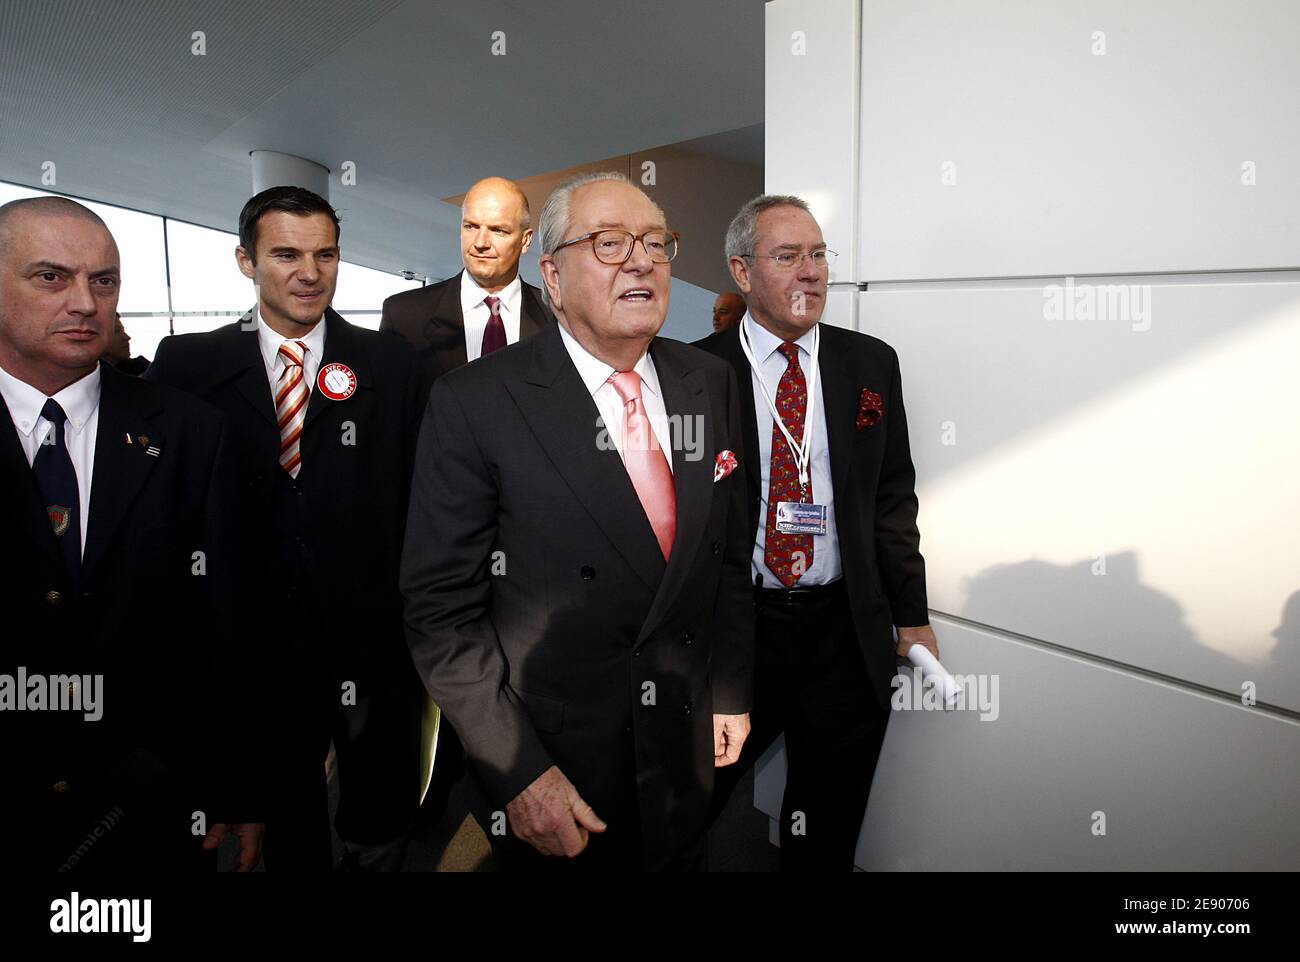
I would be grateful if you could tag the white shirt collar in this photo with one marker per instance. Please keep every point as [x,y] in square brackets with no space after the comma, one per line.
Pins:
[471,294]
[269,341]
[78,400]
[595,373]
[764,343]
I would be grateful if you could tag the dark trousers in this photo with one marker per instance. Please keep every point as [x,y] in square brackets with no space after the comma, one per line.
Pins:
[811,683]
[376,746]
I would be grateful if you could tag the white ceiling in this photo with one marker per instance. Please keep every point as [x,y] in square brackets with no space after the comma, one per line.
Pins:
[409,91]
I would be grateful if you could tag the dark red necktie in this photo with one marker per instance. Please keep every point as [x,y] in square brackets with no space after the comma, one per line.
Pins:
[788,556]
[494,335]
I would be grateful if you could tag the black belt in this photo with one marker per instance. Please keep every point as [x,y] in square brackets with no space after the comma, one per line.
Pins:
[800,596]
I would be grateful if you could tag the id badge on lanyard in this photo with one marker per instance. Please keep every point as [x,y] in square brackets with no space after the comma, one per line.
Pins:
[795,517]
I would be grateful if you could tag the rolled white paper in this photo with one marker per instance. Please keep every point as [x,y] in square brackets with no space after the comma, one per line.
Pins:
[920,656]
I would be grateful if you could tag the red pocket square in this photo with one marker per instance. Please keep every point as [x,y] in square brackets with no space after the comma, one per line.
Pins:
[723,465]
[871,408]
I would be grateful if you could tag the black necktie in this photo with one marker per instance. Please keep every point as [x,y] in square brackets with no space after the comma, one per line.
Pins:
[57,480]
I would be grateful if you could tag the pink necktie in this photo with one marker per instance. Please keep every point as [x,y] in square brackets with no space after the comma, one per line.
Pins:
[645,462]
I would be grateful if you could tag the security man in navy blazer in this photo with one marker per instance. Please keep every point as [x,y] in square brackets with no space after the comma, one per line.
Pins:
[323,417]
[830,590]
[121,697]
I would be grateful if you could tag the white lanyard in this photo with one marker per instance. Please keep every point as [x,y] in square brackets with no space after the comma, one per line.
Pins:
[802,452]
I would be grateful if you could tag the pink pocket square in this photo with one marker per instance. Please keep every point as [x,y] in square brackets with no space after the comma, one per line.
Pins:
[871,408]
[723,465]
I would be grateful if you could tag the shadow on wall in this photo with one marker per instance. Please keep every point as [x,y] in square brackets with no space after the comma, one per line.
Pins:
[1157,635]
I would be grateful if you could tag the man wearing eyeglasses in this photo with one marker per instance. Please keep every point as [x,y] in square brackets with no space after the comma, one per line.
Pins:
[832,507]
[576,560]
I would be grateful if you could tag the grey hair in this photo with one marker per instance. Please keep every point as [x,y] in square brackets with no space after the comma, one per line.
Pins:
[553,223]
[742,233]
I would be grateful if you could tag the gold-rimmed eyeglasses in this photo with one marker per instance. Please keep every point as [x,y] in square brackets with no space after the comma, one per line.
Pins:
[615,246]
[789,260]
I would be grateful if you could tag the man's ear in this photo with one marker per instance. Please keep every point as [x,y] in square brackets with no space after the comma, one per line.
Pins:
[551,280]
[247,266]
[739,268]
[528,240]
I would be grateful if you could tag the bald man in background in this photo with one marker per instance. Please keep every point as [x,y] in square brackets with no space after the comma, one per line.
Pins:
[480,310]
[728,309]
[487,305]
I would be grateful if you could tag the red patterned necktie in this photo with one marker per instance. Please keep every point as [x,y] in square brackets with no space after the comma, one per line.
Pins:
[788,556]
[291,405]
[494,335]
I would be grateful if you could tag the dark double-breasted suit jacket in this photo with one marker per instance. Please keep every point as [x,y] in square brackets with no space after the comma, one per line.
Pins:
[153,613]
[431,320]
[873,481]
[539,609]
[321,552]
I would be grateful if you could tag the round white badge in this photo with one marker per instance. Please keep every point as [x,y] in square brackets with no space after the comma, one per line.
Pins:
[337,382]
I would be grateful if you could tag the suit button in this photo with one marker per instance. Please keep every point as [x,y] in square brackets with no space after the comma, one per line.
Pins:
[636,653]
[61,788]
[53,597]
[689,638]
[588,572]
[686,710]
[300,540]
[717,547]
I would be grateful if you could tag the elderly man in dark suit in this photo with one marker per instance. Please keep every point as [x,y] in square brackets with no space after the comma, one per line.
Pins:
[323,419]
[836,558]
[576,559]
[115,580]
[487,305]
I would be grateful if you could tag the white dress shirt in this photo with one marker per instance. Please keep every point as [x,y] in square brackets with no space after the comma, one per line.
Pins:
[80,402]
[476,312]
[595,374]
[826,566]
[269,341]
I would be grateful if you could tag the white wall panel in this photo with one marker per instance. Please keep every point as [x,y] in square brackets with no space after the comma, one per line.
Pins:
[1184,781]
[1068,161]
[1046,449]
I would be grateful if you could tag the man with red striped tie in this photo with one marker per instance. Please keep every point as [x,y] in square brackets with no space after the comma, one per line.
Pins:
[323,418]
[576,559]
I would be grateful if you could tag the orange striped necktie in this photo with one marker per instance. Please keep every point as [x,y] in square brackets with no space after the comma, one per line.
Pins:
[291,405]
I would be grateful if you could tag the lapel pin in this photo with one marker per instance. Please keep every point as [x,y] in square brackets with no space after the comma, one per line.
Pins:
[337,382]
[144,439]
[128,438]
